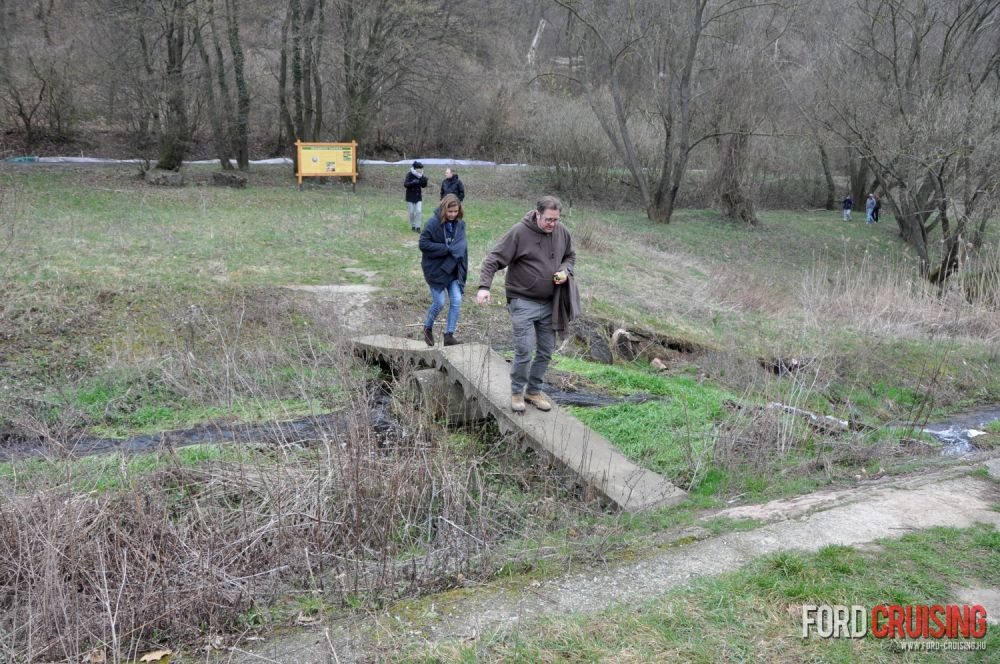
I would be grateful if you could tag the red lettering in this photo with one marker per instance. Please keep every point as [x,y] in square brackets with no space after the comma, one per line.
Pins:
[896,618]
[979,621]
[911,621]
[959,621]
[879,630]
[936,611]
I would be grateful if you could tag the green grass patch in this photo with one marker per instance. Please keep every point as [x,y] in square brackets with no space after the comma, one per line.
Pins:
[105,472]
[659,435]
[662,435]
[755,614]
[120,408]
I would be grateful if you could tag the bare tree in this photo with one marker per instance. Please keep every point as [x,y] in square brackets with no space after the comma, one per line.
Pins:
[242,129]
[301,50]
[221,139]
[229,119]
[38,77]
[642,60]
[739,66]
[927,73]
[386,48]
[175,134]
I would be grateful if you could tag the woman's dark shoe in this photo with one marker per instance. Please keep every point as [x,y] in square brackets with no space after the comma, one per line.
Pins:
[429,336]
[450,340]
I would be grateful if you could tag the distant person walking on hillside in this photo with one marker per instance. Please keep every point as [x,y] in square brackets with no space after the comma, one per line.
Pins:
[452,185]
[445,263]
[870,209]
[847,206]
[877,209]
[414,182]
[541,296]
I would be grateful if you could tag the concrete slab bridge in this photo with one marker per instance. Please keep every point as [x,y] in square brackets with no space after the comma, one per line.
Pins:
[470,381]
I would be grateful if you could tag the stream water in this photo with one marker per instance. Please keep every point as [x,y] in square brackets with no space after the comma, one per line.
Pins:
[958,432]
[294,432]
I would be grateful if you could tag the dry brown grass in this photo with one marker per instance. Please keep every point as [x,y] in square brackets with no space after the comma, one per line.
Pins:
[133,559]
[10,203]
[887,299]
[179,553]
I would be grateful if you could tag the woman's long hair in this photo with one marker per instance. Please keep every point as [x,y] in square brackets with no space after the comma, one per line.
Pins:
[450,201]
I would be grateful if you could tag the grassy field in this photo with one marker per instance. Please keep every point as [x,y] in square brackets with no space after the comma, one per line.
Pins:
[127,309]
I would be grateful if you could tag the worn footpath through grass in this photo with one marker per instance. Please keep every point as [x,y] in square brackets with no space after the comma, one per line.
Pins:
[735,595]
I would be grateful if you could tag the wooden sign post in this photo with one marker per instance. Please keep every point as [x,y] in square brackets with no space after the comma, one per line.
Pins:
[328,160]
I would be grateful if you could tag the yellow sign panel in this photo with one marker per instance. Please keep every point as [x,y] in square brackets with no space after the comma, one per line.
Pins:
[327,160]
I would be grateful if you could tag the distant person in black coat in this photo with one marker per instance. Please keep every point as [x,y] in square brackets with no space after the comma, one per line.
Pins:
[878,208]
[452,185]
[445,263]
[414,182]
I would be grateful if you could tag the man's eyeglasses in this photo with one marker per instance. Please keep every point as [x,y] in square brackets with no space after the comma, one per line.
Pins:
[546,220]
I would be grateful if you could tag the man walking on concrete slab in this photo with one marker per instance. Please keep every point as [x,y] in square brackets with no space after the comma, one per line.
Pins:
[539,257]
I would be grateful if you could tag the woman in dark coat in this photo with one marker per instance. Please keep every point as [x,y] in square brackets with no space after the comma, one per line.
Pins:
[414,181]
[445,263]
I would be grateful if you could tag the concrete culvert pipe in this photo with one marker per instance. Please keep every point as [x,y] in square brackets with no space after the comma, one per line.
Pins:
[442,397]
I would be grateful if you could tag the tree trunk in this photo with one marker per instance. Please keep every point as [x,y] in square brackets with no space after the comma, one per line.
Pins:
[359,41]
[911,217]
[676,103]
[831,188]
[242,88]
[174,138]
[317,83]
[215,112]
[662,210]
[860,176]
[300,34]
[980,233]
[730,189]
[307,79]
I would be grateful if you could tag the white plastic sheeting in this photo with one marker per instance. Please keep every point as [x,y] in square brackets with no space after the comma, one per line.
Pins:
[278,161]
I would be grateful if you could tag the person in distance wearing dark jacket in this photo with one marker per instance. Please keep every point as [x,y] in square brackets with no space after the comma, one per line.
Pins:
[445,262]
[413,183]
[452,185]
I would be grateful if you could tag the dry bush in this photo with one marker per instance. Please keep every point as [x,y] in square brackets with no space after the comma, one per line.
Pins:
[184,551]
[752,441]
[741,290]
[761,439]
[132,559]
[568,139]
[886,298]
[594,236]
[980,278]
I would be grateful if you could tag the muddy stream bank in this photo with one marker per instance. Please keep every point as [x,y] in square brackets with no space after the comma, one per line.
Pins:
[304,431]
[956,434]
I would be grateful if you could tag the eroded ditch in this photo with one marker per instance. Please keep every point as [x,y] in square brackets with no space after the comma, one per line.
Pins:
[305,431]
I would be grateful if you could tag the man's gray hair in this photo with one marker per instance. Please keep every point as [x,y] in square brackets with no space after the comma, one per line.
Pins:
[548,203]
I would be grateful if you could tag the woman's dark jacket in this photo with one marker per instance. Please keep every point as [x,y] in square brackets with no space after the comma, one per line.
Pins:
[413,184]
[445,254]
[453,185]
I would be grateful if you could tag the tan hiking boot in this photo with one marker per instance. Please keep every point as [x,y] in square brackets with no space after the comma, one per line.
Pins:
[539,401]
[517,403]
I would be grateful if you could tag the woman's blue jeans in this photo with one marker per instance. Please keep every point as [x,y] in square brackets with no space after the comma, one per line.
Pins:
[454,291]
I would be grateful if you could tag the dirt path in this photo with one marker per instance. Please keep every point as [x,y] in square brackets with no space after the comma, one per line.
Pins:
[889,508]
